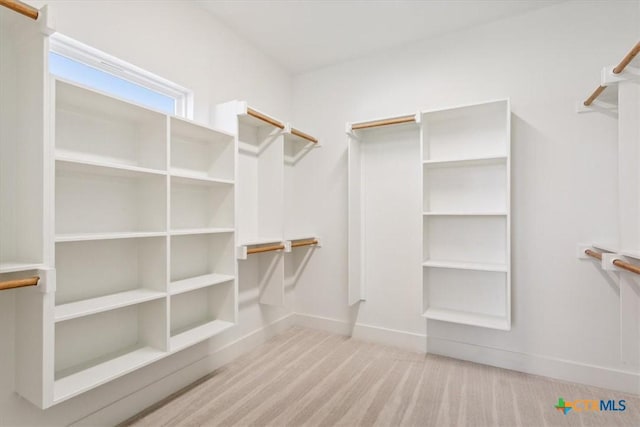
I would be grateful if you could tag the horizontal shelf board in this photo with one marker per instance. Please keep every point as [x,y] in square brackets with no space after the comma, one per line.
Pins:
[501,268]
[197,334]
[300,237]
[607,247]
[103,167]
[193,283]
[184,176]
[188,231]
[81,237]
[91,306]
[15,267]
[443,213]
[261,241]
[185,128]
[465,318]
[79,382]
[473,161]
[631,253]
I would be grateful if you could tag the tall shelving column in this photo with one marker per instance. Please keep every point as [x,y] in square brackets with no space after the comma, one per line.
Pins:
[203,270]
[466,215]
[110,238]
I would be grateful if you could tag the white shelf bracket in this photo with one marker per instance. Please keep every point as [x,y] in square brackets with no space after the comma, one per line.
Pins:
[47,282]
[598,107]
[608,77]
[241,252]
[580,251]
[607,261]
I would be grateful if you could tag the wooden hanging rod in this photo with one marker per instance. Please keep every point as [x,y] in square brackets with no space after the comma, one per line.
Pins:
[596,93]
[617,70]
[22,8]
[303,135]
[265,249]
[309,242]
[258,115]
[593,254]
[626,266]
[627,59]
[19,283]
[384,122]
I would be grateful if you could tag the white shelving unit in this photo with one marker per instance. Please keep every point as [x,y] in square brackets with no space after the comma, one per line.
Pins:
[466,218]
[268,150]
[142,239]
[463,188]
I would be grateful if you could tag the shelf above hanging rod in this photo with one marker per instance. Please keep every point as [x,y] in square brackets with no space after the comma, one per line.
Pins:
[260,116]
[22,8]
[19,283]
[384,122]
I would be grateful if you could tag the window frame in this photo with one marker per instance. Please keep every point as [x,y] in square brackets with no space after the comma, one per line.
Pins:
[80,52]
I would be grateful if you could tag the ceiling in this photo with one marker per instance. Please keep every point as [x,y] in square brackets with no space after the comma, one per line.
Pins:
[305,35]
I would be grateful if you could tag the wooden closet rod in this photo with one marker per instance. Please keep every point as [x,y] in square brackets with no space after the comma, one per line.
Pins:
[264,249]
[258,115]
[596,93]
[384,122]
[626,266]
[627,59]
[593,254]
[309,242]
[303,135]
[19,283]
[18,6]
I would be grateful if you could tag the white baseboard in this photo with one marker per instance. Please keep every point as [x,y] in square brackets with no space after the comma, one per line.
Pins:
[406,340]
[132,404]
[561,369]
[565,370]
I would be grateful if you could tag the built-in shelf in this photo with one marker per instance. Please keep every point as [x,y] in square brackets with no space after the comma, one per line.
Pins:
[261,241]
[631,254]
[87,307]
[467,318]
[196,334]
[607,247]
[191,231]
[191,177]
[15,267]
[81,237]
[68,161]
[466,266]
[193,283]
[86,379]
[478,213]
[472,161]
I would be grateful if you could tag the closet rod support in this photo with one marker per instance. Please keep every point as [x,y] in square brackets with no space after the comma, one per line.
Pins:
[264,249]
[19,283]
[258,115]
[384,122]
[22,8]
[627,59]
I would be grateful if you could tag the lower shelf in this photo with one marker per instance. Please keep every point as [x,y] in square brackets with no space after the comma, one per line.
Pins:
[79,382]
[466,318]
[197,333]
[91,306]
[15,267]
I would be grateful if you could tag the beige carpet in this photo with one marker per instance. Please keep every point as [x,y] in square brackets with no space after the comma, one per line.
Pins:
[305,377]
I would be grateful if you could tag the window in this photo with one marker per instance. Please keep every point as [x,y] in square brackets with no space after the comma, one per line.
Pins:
[90,67]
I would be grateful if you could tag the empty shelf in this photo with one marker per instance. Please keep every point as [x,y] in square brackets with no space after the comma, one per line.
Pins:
[88,165]
[472,161]
[193,283]
[607,247]
[14,267]
[185,176]
[502,268]
[80,237]
[87,307]
[443,213]
[197,334]
[474,319]
[188,231]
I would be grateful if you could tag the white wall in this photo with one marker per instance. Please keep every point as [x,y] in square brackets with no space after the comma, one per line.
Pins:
[564,176]
[185,44]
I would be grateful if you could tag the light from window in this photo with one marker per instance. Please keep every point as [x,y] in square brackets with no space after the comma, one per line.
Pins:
[84,74]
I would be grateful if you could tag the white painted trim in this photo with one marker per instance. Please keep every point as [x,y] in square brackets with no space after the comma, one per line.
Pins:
[80,52]
[132,404]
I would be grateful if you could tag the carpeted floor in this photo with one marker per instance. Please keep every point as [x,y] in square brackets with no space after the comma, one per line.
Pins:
[312,378]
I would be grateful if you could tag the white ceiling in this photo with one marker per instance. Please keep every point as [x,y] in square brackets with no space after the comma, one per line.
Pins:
[304,35]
